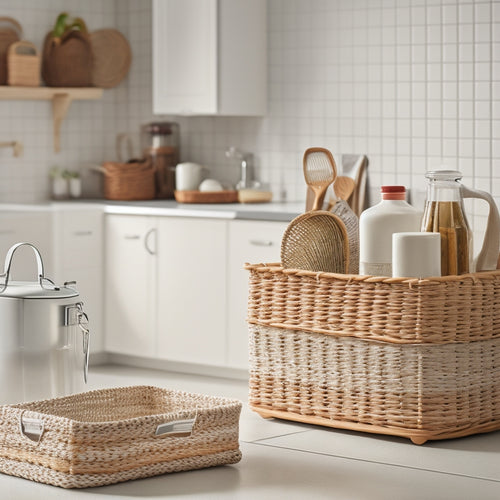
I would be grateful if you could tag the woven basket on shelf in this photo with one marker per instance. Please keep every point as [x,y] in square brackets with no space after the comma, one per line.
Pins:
[10,32]
[113,435]
[68,62]
[408,357]
[23,64]
[129,181]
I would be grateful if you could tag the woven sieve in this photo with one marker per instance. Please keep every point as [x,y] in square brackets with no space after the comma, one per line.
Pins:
[316,241]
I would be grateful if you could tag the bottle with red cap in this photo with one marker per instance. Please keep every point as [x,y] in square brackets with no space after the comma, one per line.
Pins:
[376,226]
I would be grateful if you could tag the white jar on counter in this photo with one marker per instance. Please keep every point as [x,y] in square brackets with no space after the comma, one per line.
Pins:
[377,225]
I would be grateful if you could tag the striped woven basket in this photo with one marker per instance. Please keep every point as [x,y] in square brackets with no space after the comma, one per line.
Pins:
[113,435]
[408,357]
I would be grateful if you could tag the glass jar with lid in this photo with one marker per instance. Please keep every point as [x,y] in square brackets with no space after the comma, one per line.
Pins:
[160,143]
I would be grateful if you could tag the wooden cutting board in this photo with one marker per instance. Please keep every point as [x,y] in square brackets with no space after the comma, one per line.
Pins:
[206,196]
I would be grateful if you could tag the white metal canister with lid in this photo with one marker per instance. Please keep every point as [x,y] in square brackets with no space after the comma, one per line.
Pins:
[44,337]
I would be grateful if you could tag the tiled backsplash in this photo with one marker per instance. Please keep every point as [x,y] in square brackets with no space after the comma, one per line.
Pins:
[411,83]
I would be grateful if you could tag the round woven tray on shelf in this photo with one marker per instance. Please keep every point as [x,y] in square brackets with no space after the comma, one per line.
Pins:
[129,181]
[112,57]
[10,32]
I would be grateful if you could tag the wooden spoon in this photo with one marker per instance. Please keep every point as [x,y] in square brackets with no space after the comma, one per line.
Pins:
[344,187]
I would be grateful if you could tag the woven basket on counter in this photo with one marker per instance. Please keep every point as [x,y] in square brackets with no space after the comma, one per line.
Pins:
[407,357]
[113,435]
[23,64]
[129,181]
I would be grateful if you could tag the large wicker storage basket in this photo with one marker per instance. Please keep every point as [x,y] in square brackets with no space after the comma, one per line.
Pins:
[407,357]
[113,435]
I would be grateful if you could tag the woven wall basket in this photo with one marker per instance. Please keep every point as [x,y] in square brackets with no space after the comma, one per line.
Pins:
[408,357]
[68,63]
[113,435]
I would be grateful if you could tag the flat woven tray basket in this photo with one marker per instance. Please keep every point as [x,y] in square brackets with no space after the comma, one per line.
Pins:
[113,435]
[408,357]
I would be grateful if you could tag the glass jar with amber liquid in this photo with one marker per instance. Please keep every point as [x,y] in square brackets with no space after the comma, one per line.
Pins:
[444,213]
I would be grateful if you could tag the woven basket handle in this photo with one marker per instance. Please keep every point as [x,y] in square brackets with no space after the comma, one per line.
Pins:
[26,48]
[11,20]
[488,257]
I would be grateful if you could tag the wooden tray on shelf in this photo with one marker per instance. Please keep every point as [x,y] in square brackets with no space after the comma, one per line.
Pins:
[206,196]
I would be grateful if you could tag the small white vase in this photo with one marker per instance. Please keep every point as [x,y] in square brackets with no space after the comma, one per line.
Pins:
[75,187]
[59,188]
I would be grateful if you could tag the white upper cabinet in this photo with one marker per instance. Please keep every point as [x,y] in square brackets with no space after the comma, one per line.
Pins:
[210,57]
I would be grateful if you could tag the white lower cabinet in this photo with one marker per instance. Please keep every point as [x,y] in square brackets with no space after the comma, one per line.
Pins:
[130,276]
[252,242]
[176,289]
[79,253]
[191,314]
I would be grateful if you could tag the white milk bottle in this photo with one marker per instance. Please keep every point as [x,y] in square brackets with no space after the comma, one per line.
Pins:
[376,226]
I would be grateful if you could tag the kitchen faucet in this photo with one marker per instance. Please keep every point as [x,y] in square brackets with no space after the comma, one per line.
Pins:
[246,179]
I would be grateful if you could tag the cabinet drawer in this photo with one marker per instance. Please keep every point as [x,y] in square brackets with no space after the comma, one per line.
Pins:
[82,240]
[255,241]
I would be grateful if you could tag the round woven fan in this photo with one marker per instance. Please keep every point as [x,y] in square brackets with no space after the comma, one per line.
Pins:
[10,32]
[112,58]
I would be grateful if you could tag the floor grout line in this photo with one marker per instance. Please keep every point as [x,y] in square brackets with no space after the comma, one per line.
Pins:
[412,467]
[257,441]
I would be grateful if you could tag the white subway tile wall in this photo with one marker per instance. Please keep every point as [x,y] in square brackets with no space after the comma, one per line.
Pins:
[413,84]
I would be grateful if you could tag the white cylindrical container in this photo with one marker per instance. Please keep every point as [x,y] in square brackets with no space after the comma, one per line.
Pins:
[377,225]
[416,255]
[44,340]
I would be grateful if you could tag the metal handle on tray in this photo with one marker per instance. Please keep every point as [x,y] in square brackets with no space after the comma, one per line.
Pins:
[178,428]
[39,262]
[32,428]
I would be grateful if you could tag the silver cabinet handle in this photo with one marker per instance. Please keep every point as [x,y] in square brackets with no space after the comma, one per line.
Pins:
[146,241]
[261,243]
[132,237]
[82,233]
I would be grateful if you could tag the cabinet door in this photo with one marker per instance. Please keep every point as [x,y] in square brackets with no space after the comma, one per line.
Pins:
[130,285]
[185,56]
[192,290]
[30,227]
[79,255]
[252,242]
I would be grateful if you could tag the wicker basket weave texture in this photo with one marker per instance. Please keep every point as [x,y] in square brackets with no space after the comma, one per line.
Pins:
[440,310]
[23,64]
[108,436]
[129,181]
[408,357]
[434,388]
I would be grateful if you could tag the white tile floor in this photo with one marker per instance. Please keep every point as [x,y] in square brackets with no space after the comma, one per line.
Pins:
[294,461]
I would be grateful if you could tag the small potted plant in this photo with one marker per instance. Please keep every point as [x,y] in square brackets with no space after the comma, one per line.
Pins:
[59,184]
[74,183]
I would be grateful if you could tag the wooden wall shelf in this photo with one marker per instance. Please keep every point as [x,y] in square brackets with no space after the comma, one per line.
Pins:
[61,98]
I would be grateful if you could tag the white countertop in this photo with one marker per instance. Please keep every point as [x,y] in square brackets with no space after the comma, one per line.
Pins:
[273,211]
